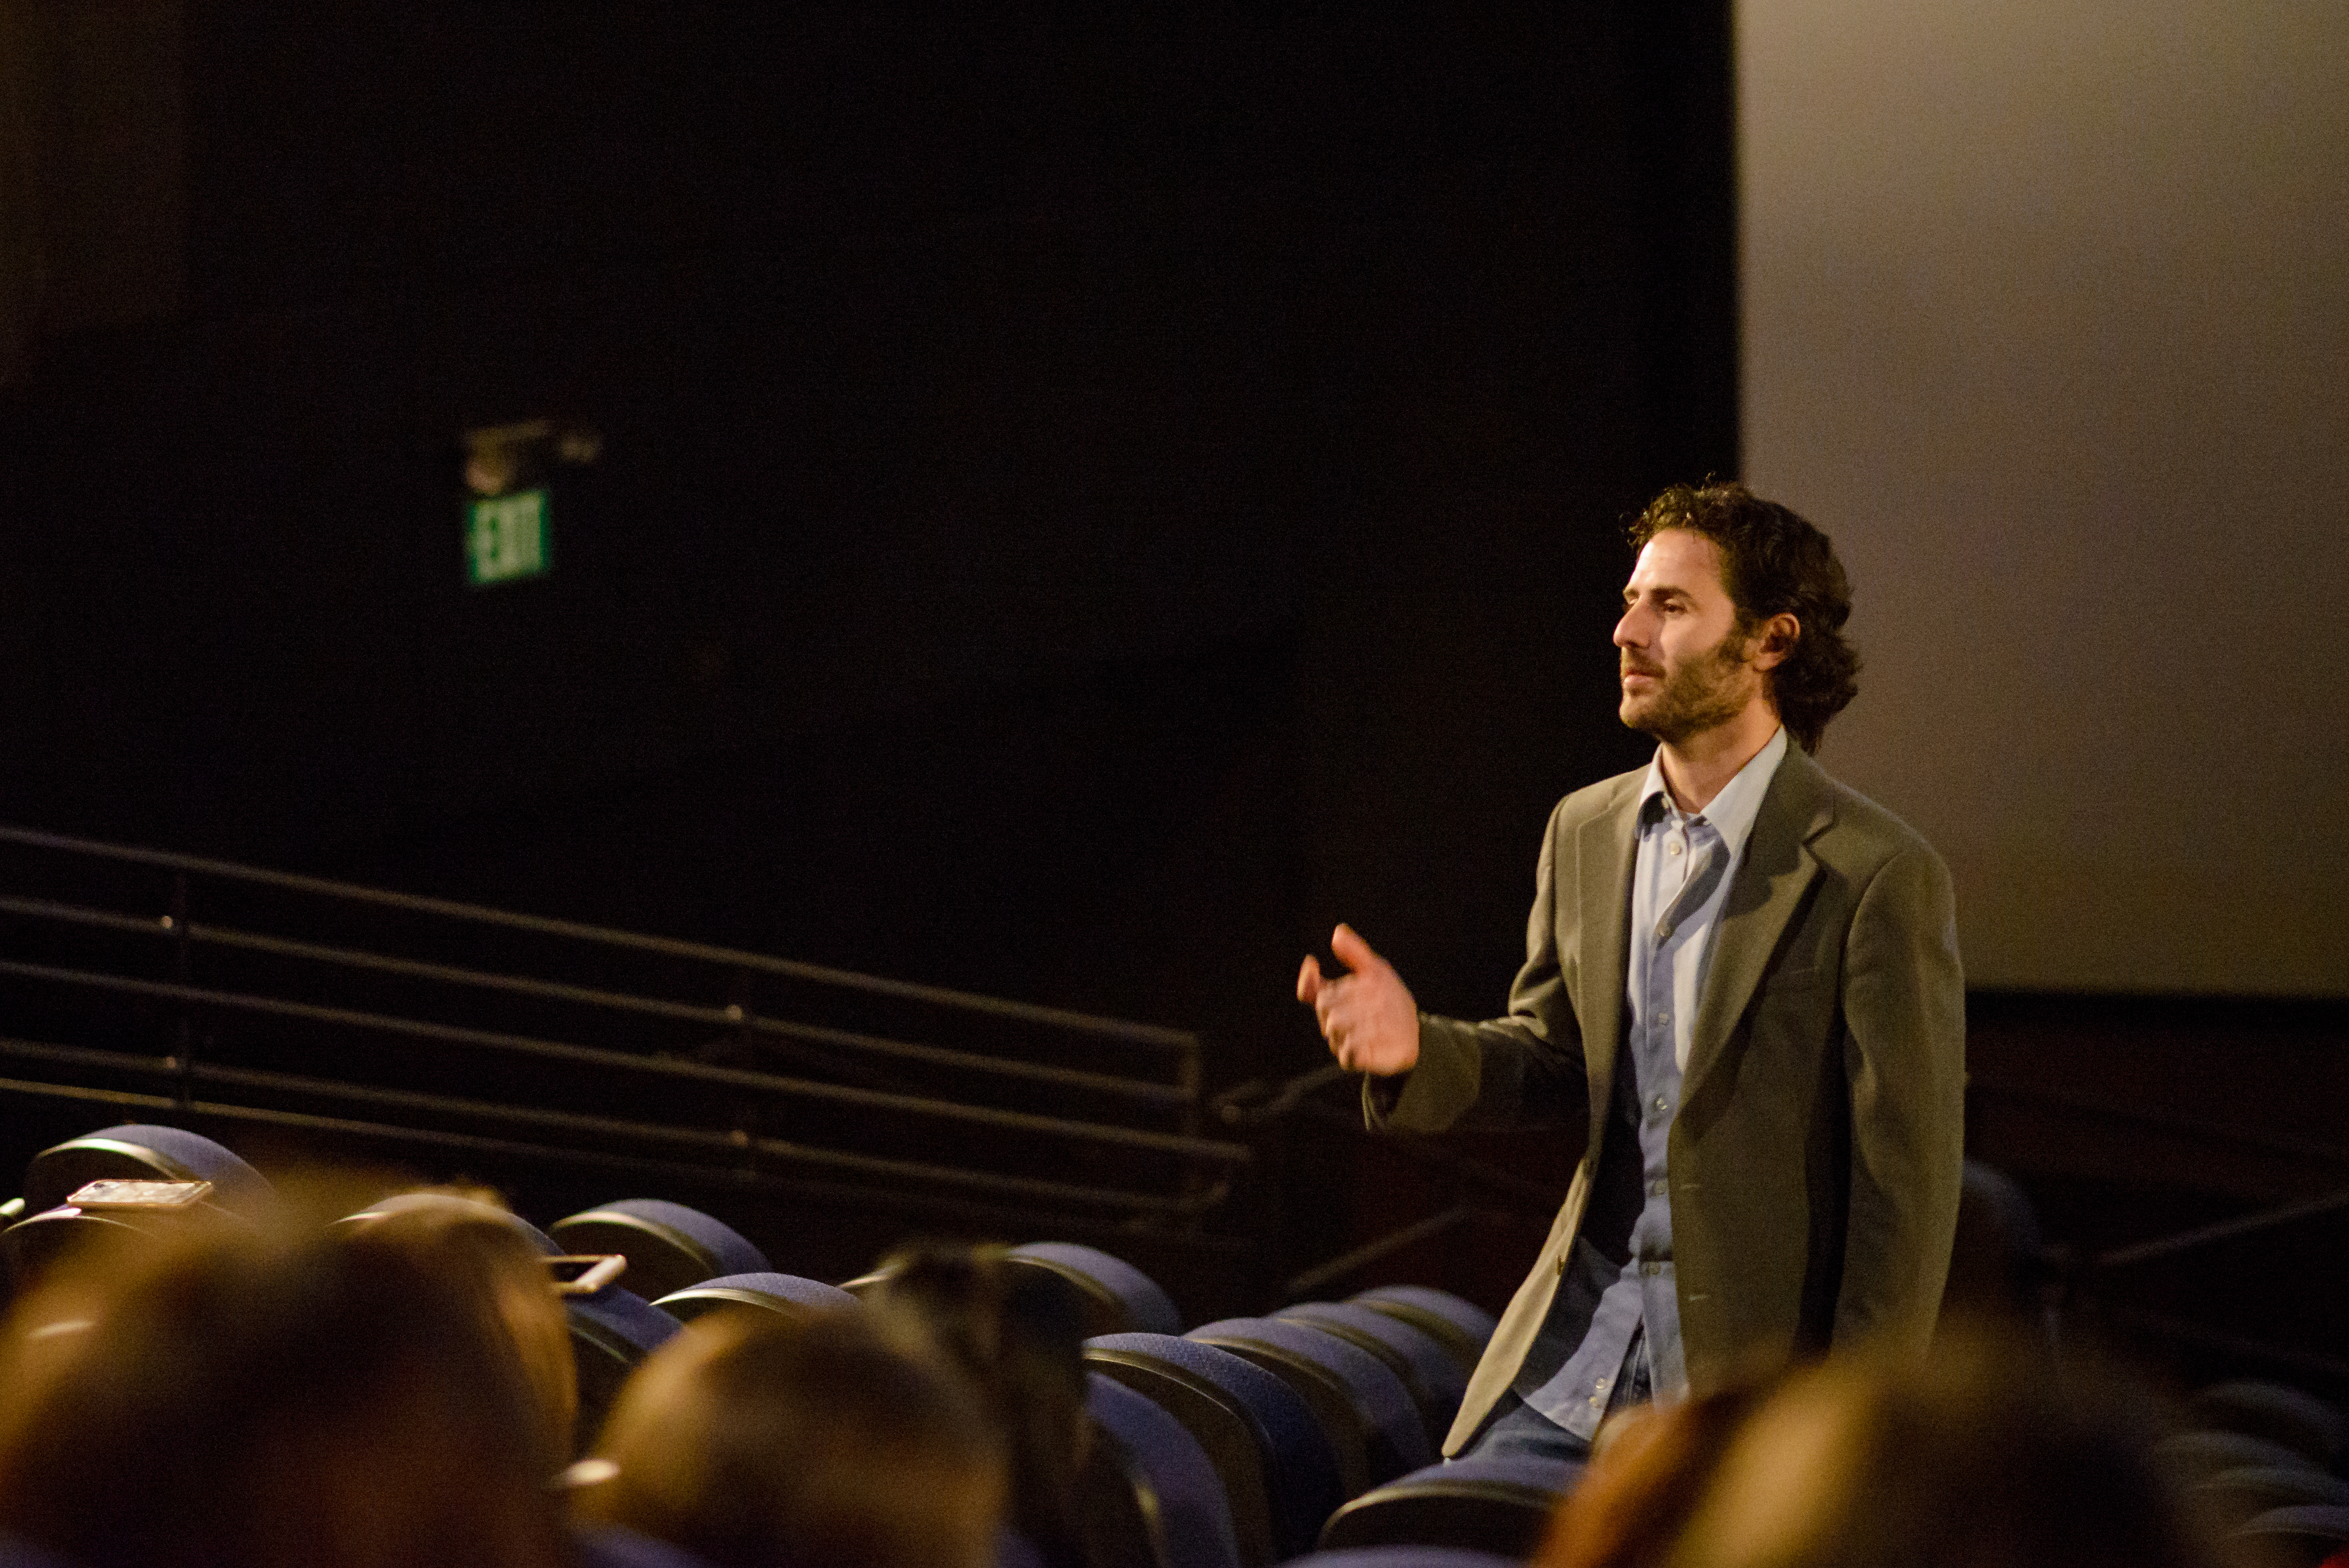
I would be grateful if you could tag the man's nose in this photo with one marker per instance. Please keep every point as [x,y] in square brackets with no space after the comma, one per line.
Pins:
[1627,634]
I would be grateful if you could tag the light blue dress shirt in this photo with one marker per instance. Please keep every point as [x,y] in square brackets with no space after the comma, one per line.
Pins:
[1680,881]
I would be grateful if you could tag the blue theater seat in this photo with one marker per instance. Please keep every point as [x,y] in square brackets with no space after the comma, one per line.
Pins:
[44,1227]
[2291,1417]
[1013,1550]
[2301,1536]
[2190,1456]
[1277,1466]
[1460,1326]
[1118,1298]
[614,1546]
[15,1554]
[2236,1497]
[785,1296]
[1362,1406]
[137,1151]
[611,1332]
[1429,1371]
[669,1246]
[1159,1453]
[1495,1503]
[1405,1557]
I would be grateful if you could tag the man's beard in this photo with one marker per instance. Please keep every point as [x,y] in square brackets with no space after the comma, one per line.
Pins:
[1704,693]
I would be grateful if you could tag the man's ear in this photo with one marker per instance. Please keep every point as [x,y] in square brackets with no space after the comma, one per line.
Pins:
[1775,640]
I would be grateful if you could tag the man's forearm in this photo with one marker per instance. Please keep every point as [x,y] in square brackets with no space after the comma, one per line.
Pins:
[1502,1073]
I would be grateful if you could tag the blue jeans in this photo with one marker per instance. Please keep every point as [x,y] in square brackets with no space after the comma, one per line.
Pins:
[1517,1428]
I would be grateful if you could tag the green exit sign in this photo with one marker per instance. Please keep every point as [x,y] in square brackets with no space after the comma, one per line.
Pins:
[507,538]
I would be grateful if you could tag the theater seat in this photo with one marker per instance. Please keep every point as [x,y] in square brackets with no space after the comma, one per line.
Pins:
[136,1152]
[2301,1536]
[1362,1406]
[1429,1371]
[2291,1417]
[669,1246]
[1460,1326]
[34,1245]
[1013,1550]
[611,1332]
[1405,1557]
[2236,1497]
[612,1546]
[15,1554]
[1170,1472]
[55,1227]
[2190,1456]
[1995,1259]
[1118,1298]
[1277,1469]
[1495,1503]
[784,1296]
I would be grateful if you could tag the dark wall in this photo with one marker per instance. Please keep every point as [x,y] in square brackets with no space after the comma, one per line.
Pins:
[1086,502]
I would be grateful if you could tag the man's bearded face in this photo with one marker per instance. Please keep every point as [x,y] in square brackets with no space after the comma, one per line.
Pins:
[1691,693]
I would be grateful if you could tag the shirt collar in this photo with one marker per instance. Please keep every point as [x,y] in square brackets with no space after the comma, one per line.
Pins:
[1729,813]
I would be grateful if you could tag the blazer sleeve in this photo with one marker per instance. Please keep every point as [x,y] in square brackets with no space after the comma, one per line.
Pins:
[1904,1061]
[1522,1070]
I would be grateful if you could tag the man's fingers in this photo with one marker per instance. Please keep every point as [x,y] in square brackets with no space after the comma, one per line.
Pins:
[1353,952]
[1309,980]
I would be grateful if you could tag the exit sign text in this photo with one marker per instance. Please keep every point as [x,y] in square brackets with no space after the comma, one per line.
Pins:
[506,538]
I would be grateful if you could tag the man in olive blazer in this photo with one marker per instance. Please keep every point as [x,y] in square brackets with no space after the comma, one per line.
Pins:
[1815,1151]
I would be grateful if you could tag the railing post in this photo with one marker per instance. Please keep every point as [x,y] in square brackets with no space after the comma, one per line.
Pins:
[1190,1076]
[744,1134]
[183,1054]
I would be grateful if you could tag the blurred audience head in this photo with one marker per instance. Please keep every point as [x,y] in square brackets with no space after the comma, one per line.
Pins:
[1975,1458]
[505,1279]
[266,1400]
[1646,1473]
[1017,1335]
[756,1443]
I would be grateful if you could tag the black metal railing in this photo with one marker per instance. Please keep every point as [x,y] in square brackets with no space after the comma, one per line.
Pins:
[153,981]
[1328,1098]
[2163,1293]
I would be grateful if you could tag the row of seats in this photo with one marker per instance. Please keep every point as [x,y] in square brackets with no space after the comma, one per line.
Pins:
[1309,1434]
[2264,1463]
[1242,1443]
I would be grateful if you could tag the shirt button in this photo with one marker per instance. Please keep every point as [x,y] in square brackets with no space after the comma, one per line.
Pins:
[1659,1188]
[1663,931]
[1661,1102]
[1663,1018]
[1673,847]
[1652,1269]
[1601,1385]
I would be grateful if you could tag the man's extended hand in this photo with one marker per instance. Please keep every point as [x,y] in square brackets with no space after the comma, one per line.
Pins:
[1367,1015]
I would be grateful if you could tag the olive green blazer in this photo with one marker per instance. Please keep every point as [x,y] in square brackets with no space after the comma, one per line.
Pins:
[1816,1156]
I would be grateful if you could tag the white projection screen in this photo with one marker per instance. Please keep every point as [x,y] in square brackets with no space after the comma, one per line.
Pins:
[2046,321]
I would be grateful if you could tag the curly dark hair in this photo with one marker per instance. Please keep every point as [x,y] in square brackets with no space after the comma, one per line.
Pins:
[1774,562]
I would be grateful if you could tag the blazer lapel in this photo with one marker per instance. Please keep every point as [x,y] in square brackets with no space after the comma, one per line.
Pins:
[1771,876]
[1605,850]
